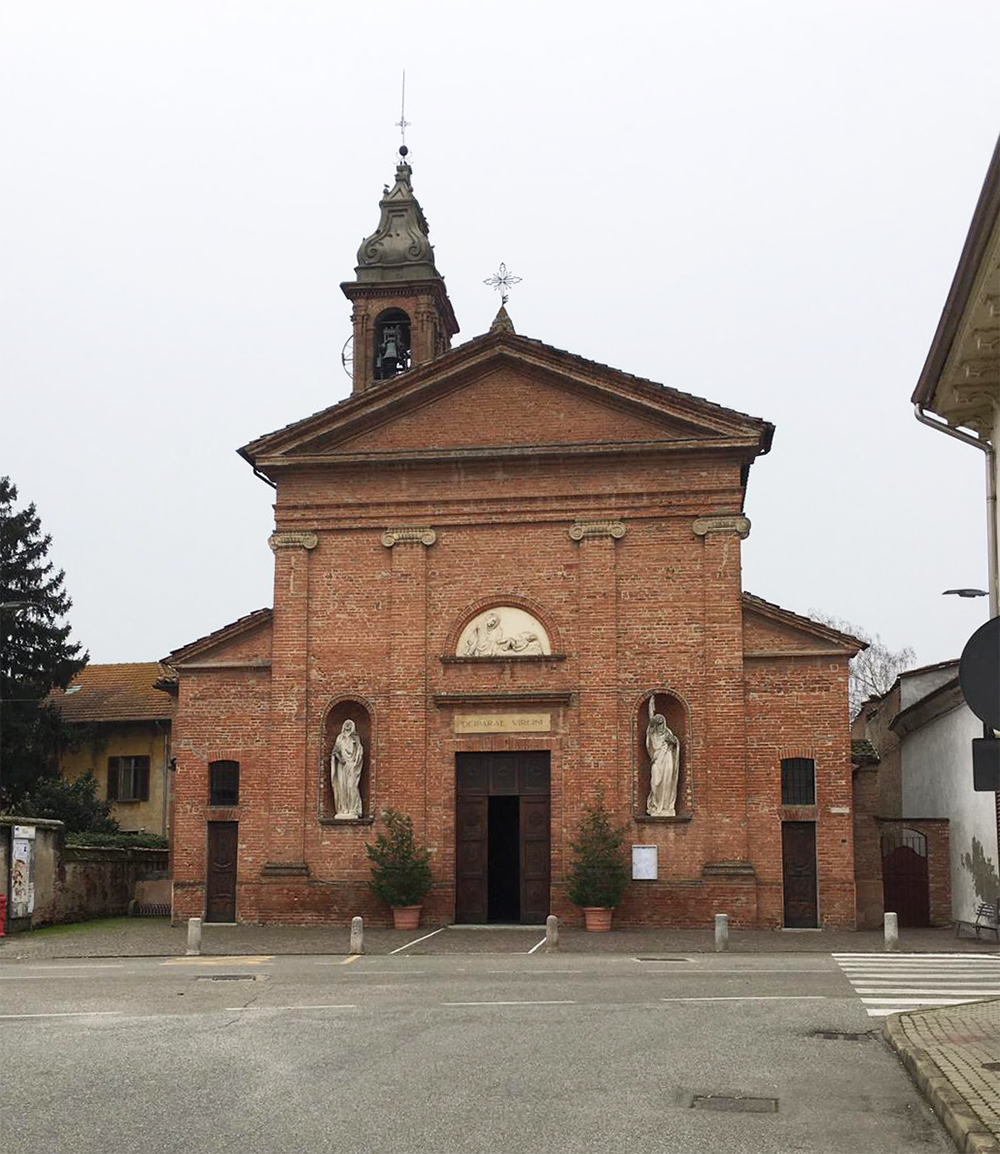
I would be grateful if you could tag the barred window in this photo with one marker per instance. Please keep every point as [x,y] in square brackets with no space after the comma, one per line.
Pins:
[798,781]
[128,779]
[224,783]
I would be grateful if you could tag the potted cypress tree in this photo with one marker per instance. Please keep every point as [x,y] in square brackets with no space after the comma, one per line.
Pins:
[401,872]
[598,875]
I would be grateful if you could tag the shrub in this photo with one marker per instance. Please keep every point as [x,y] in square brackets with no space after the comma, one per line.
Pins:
[401,872]
[75,803]
[122,839]
[598,875]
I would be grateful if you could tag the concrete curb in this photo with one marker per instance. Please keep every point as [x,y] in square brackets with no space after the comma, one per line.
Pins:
[967,1131]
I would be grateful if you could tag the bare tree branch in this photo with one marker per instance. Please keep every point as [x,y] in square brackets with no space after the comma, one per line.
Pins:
[874,670]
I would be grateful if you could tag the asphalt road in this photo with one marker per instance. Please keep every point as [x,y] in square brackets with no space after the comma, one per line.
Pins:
[491,1052]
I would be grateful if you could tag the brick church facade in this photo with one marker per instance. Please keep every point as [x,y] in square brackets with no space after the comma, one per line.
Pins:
[490,559]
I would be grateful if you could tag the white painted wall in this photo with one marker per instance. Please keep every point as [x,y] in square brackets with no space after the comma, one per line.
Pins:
[916,685]
[937,782]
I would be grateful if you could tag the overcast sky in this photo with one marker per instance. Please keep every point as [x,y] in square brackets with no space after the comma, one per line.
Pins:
[759,203]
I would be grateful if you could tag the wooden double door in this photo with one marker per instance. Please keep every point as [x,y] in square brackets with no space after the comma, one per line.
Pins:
[502,849]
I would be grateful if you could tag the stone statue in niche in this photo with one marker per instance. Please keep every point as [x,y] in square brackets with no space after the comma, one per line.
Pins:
[487,637]
[664,749]
[345,772]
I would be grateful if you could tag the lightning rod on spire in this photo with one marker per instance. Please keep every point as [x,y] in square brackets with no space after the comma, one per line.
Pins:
[402,123]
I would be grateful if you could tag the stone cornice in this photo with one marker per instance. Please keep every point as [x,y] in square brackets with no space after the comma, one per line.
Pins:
[580,529]
[292,541]
[727,524]
[729,445]
[536,697]
[413,536]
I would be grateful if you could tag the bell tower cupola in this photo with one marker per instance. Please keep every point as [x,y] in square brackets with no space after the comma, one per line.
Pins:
[402,315]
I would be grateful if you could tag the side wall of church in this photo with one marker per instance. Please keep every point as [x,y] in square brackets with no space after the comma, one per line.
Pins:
[222,715]
[797,707]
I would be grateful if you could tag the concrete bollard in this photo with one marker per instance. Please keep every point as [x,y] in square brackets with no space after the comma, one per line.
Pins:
[721,933]
[891,931]
[194,936]
[551,933]
[357,935]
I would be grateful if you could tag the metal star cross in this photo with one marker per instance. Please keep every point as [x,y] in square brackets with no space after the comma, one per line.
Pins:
[503,281]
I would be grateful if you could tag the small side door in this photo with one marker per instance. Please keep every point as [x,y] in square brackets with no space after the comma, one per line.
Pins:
[220,888]
[798,857]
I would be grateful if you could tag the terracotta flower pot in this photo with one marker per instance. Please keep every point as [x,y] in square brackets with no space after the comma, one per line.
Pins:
[597,919]
[406,917]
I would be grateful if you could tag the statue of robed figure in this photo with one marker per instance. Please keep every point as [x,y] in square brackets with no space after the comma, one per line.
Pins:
[345,771]
[664,749]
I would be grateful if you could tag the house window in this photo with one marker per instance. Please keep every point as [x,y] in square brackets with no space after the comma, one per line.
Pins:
[224,783]
[798,781]
[128,779]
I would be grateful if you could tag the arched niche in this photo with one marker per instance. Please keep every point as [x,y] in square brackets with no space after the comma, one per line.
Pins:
[503,630]
[339,711]
[675,711]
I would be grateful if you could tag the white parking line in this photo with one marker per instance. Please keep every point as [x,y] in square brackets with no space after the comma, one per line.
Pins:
[67,1014]
[537,946]
[78,966]
[262,1009]
[416,942]
[535,973]
[550,1003]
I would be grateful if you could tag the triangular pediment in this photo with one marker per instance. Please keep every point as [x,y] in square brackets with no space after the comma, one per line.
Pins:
[770,631]
[245,642]
[506,393]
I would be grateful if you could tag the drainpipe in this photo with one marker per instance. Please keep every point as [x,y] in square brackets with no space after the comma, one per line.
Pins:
[991,527]
[991,496]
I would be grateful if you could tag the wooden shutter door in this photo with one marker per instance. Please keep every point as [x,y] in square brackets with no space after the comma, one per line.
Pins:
[471,828]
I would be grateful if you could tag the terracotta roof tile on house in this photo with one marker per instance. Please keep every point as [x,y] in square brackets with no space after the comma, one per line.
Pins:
[863,752]
[123,692]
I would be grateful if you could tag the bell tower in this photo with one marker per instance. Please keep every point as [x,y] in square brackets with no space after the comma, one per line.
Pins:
[402,315]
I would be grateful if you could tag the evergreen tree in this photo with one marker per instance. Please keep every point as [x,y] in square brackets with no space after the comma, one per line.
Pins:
[36,655]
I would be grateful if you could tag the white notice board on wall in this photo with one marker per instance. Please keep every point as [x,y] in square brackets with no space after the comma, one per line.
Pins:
[644,863]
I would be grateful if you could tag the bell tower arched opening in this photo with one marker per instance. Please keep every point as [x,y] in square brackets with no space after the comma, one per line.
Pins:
[392,344]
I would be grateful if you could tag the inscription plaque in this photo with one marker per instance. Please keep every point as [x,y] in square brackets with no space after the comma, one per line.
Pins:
[502,722]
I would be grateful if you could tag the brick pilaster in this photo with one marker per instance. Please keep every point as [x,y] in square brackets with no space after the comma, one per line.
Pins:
[287,745]
[725,713]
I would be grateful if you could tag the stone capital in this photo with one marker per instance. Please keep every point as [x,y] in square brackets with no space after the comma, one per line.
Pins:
[292,541]
[416,536]
[730,524]
[580,529]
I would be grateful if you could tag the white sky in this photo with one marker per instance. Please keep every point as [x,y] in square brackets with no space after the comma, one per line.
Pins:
[760,203]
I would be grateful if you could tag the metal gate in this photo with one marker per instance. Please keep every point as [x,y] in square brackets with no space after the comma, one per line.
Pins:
[905,890]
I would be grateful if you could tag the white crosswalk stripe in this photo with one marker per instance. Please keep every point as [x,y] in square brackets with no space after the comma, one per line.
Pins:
[889,983]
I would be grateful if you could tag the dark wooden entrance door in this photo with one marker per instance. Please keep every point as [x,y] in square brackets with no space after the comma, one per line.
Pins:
[520,880]
[220,890]
[798,857]
[905,889]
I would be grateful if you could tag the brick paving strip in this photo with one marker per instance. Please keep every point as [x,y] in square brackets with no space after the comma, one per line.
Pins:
[947,1052]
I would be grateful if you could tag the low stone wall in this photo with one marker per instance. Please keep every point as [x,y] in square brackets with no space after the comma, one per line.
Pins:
[73,883]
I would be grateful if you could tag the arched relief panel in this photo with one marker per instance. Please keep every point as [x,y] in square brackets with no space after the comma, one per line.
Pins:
[359,711]
[674,710]
[504,627]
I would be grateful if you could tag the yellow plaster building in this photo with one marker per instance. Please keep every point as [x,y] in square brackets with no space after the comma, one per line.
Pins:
[124,713]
